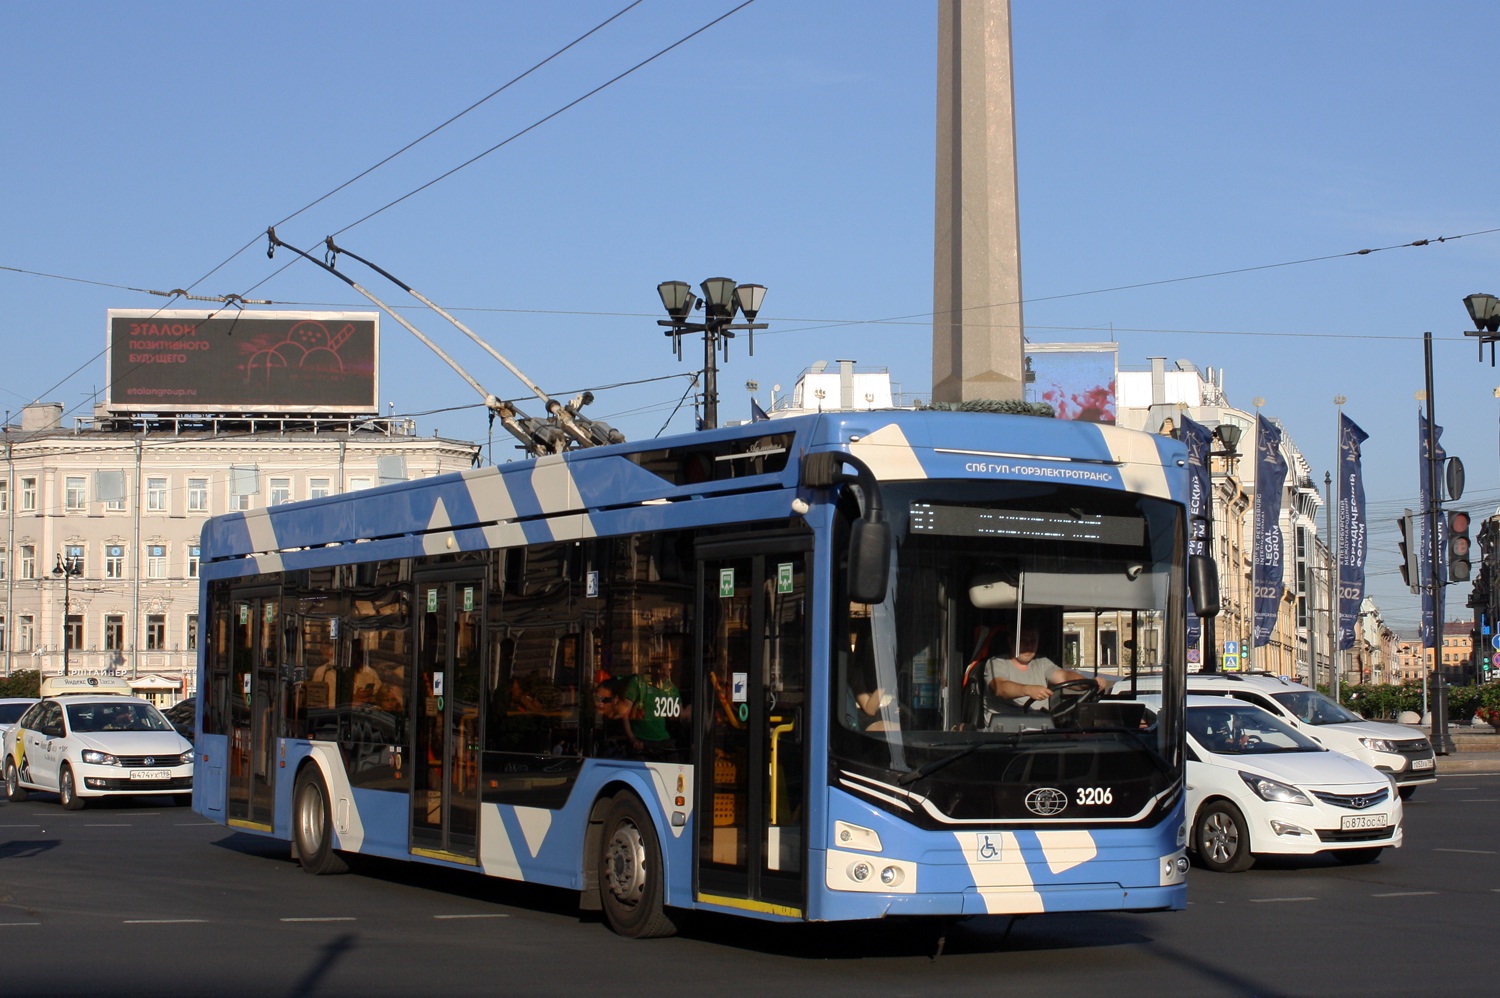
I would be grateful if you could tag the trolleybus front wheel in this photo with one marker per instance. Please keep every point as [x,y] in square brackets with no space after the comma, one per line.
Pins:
[312,824]
[630,872]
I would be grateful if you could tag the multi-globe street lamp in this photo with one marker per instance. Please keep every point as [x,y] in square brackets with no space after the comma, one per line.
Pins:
[66,569]
[722,300]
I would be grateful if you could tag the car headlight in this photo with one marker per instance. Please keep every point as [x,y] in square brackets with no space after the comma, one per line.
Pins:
[1379,744]
[1274,790]
[186,759]
[99,758]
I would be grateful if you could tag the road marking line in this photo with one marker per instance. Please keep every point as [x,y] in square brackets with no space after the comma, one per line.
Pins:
[1404,894]
[1270,900]
[469,916]
[330,918]
[124,824]
[1471,852]
[1478,800]
[16,925]
[166,921]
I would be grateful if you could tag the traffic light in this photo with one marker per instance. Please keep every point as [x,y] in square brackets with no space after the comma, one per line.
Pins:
[1458,546]
[1411,571]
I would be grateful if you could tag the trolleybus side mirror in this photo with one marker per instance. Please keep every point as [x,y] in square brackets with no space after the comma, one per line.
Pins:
[1203,585]
[869,535]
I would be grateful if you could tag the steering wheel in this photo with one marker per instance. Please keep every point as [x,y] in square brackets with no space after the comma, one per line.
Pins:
[1081,691]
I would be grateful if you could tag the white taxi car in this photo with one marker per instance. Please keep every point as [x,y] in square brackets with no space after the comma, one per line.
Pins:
[79,742]
[1257,786]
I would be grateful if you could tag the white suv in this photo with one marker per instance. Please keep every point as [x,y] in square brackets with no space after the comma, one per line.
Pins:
[1404,753]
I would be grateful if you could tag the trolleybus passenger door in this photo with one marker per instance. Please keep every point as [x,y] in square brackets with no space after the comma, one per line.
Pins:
[752,733]
[254,695]
[445,717]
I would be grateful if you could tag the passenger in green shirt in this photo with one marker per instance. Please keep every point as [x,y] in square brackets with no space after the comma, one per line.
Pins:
[654,700]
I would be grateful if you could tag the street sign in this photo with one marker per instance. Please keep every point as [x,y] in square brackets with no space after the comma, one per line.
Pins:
[1233,648]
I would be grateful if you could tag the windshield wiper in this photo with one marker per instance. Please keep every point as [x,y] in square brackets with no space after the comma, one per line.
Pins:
[1010,740]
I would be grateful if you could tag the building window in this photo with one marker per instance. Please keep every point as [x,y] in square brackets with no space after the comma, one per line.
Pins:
[156,561]
[2,632]
[355,484]
[156,495]
[239,502]
[25,632]
[116,505]
[194,556]
[75,492]
[114,632]
[4,495]
[197,495]
[281,491]
[4,563]
[28,495]
[317,488]
[192,632]
[114,561]
[73,632]
[28,561]
[156,631]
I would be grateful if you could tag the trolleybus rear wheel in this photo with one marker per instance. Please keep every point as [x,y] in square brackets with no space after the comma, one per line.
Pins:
[312,824]
[630,872]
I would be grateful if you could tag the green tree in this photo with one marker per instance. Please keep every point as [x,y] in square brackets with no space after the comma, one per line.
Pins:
[26,683]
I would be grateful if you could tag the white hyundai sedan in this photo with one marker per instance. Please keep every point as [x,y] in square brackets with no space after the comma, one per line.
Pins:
[1258,787]
[80,746]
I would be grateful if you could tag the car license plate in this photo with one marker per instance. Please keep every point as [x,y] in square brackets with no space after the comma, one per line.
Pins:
[164,774]
[1356,821]
[1422,763]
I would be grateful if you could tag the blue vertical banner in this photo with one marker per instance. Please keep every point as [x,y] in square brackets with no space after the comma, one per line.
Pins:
[1352,541]
[1200,512]
[1268,555]
[1425,554]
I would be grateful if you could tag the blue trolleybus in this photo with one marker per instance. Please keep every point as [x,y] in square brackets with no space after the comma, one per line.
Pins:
[742,670]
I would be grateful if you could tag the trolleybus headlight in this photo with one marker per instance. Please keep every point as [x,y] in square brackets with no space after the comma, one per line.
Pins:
[860,872]
[892,876]
[94,758]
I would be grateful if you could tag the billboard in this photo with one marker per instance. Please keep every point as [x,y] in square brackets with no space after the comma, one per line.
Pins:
[1077,379]
[180,361]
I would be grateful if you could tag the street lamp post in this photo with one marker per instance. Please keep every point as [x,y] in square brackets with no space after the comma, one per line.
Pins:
[721,300]
[66,568]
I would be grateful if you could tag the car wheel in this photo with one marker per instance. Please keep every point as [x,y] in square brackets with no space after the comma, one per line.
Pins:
[67,790]
[630,872]
[1406,792]
[14,792]
[312,824]
[1358,857]
[1222,839]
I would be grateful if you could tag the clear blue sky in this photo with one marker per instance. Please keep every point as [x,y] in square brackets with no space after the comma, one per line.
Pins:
[791,145]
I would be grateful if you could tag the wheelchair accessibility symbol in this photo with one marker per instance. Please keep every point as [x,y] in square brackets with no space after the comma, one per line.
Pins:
[988,849]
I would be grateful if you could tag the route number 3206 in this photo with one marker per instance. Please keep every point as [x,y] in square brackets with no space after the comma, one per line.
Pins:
[1096,795]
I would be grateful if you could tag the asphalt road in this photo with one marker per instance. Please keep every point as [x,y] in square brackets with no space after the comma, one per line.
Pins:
[139,899]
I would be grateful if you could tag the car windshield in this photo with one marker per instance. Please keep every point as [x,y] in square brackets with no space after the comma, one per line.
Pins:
[1240,729]
[1312,707]
[89,717]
